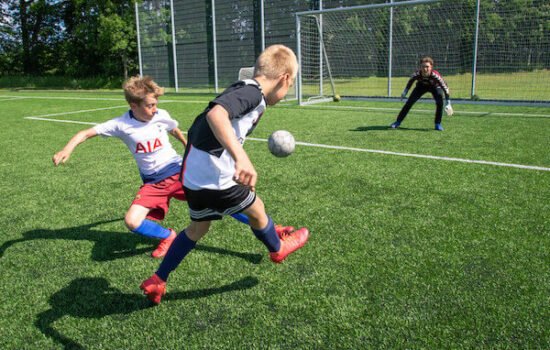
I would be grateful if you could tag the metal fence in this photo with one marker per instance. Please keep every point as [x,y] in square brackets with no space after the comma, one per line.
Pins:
[199,46]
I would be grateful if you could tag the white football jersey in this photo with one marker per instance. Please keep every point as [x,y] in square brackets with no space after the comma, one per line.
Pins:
[148,142]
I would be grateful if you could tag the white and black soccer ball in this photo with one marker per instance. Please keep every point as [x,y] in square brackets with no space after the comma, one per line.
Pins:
[281,143]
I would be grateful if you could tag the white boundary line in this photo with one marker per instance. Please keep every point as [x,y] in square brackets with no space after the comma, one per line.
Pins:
[74,112]
[530,167]
[60,120]
[431,111]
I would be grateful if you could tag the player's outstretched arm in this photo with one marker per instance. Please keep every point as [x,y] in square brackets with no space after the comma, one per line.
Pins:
[176,132]
[404,94]
[63,155]
[218,119]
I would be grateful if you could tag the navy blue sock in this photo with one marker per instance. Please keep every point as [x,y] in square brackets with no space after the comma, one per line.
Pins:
[149,228]
[268,236]
[241,217]
[175,254]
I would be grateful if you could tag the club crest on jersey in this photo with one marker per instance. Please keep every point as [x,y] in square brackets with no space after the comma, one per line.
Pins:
[148,147]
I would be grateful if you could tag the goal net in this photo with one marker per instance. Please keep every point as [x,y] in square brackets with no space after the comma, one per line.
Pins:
[372,50]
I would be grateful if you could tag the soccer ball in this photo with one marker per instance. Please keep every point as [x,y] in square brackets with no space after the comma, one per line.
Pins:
[336,98]
[281,143]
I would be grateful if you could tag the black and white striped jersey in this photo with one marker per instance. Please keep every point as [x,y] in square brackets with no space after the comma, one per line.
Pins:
[207,165]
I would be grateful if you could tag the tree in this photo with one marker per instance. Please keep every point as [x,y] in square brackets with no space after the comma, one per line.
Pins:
[101,37]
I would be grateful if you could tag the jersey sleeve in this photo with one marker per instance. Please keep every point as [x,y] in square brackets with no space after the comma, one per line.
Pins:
[413,77]
[239,102]
[443,84]
[108,129]
[170,123]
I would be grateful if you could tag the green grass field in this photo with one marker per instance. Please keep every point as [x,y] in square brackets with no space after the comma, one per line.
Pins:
[405,251]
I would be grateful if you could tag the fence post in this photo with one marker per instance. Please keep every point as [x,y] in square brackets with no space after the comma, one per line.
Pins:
[390,49]
[474,68]
[138,40]
[298,53]
[175,57]
[214,45]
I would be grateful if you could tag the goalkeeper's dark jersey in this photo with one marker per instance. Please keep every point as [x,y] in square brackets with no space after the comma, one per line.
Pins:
[433,80]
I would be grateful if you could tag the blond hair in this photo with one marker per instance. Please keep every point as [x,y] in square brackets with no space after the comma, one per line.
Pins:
[276,60]
[137,88]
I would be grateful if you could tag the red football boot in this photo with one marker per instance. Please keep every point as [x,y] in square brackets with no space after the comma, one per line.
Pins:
[289,244]
[154,288]
[164,245]
[283,230]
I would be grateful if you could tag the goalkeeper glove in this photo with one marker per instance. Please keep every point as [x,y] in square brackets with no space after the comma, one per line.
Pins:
[404,94]
[449,108]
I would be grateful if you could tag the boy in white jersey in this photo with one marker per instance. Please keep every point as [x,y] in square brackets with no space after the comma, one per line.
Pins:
[144,129]
[219,178]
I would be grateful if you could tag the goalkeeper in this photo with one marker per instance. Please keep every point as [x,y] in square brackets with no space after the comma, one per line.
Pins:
[428,80]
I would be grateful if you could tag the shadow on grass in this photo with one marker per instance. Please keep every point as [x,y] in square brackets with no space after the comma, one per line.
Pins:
[384,127]
[94,298]
[113,245]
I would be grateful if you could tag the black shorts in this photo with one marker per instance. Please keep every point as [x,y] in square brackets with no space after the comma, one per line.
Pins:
[207,205]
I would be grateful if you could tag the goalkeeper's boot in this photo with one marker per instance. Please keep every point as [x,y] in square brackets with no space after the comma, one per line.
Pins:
[164,245]
[395,125]
[438,127]
[289,244]
[283,230]
[154,288]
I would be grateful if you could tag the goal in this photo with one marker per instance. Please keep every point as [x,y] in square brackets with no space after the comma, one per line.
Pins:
[482,48]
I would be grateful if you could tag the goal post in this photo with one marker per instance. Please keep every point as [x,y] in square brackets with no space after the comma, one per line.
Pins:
[484,49]
[347,50]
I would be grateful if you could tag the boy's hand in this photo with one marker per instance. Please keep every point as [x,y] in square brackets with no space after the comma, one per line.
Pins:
[61,156]
[245,174]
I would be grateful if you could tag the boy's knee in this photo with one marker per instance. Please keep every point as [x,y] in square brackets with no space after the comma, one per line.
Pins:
[197,229]
[132,222]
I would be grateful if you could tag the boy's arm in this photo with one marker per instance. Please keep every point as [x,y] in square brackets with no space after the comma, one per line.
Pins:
[218,119]
[63,155]
[176,132]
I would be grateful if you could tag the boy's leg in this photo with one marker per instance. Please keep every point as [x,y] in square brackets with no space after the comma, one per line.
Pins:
[241,218]
[262,225]
[264,229]
[155,286]
[437,94]
[183,244]
[136,222]
[415,95]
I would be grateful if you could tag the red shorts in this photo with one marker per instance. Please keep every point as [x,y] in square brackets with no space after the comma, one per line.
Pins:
[157,196]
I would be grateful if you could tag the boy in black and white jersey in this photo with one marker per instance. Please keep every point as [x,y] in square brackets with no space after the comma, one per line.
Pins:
[219,178]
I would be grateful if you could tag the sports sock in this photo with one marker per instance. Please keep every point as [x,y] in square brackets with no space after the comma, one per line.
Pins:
[149,228]
[175,254]
[241,217]
[268,236]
